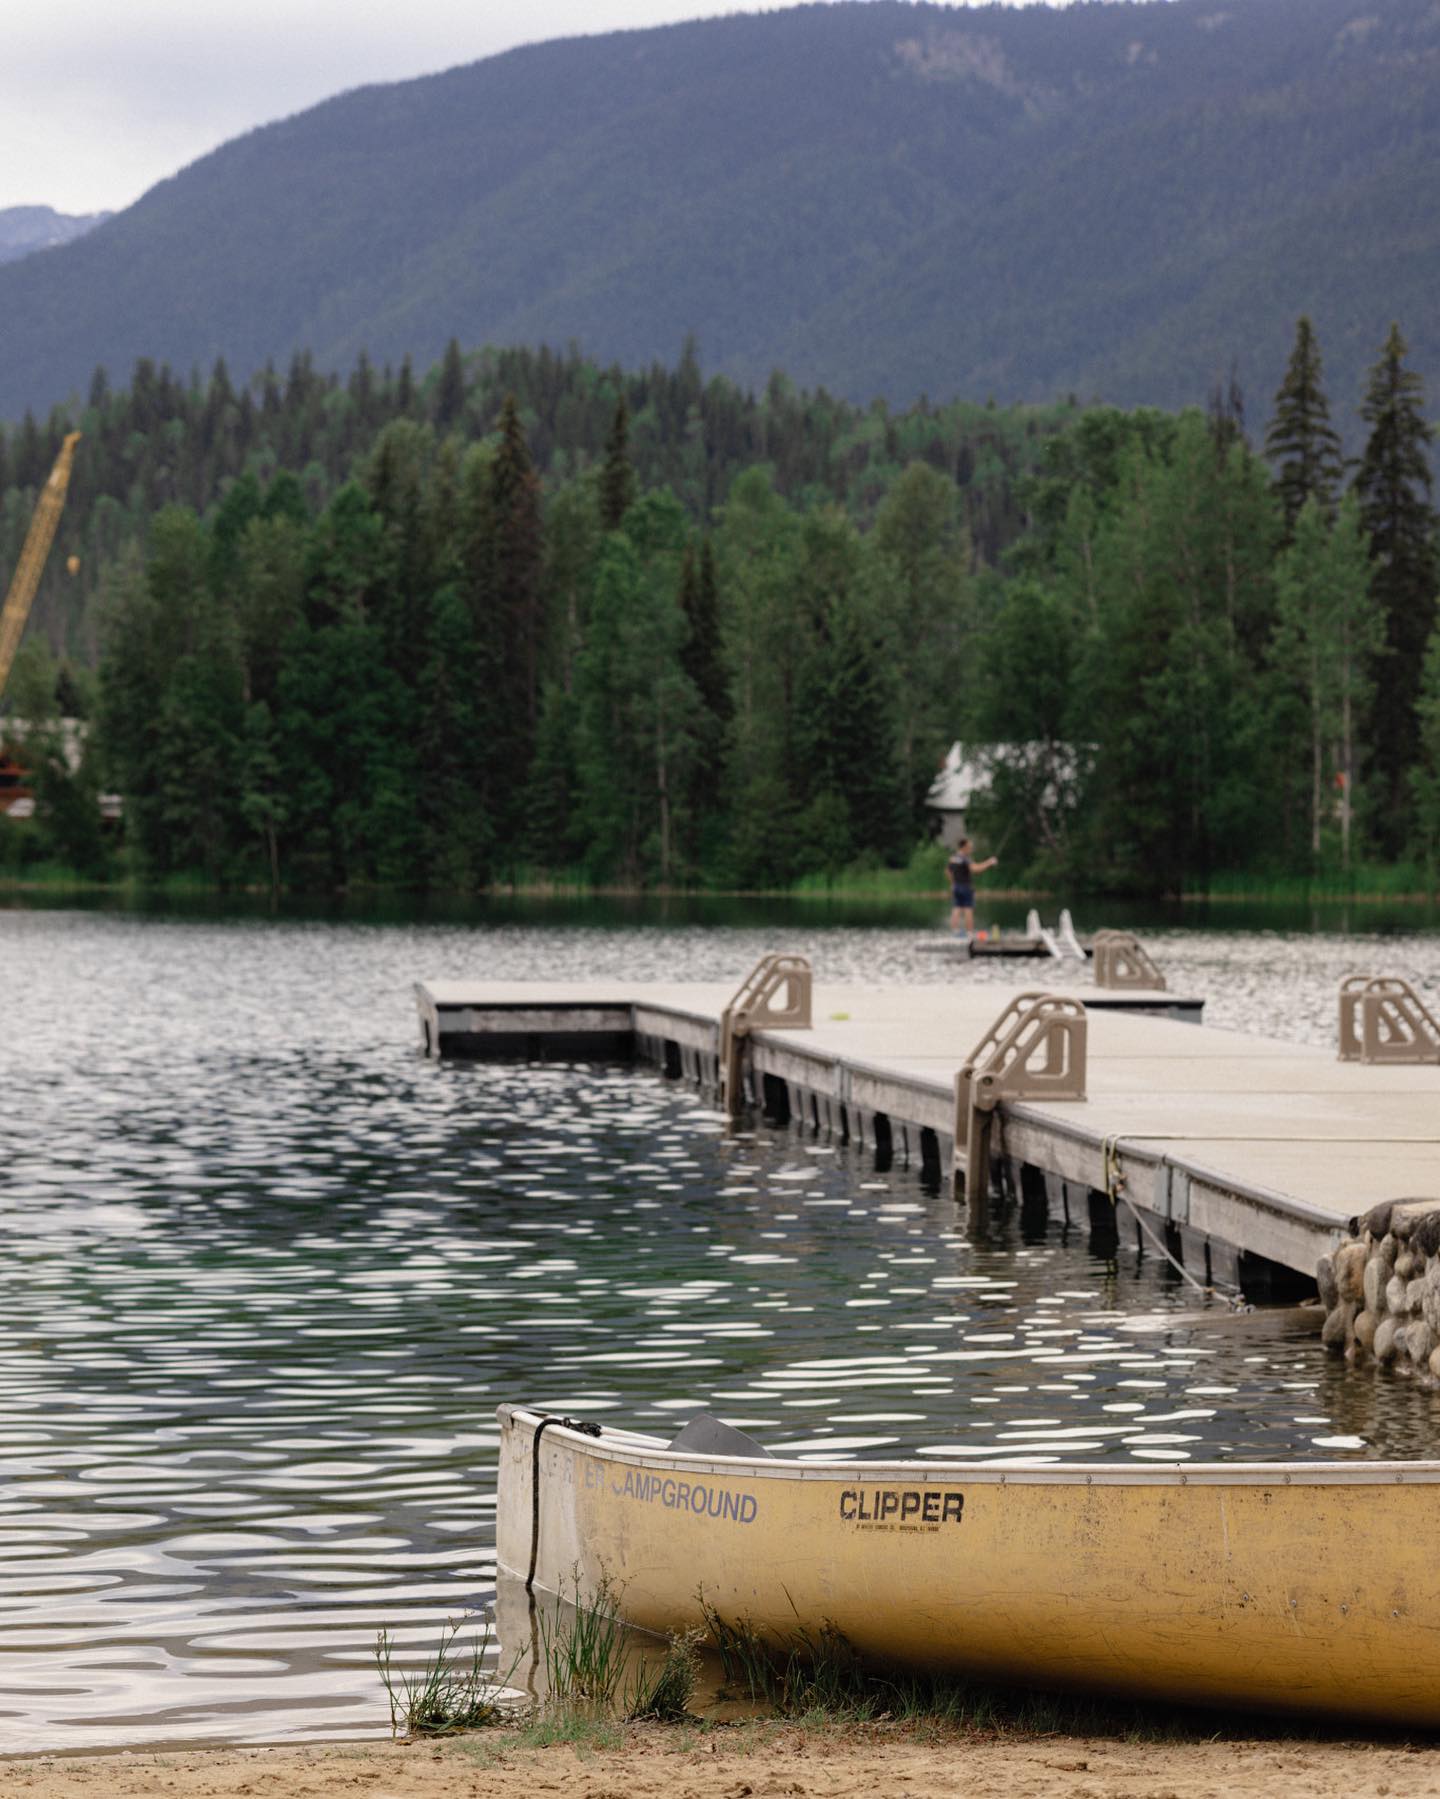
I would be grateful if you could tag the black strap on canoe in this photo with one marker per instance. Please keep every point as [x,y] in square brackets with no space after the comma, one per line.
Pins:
[587,1430]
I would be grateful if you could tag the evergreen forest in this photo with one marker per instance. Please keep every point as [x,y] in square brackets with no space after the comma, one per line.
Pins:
[527,618]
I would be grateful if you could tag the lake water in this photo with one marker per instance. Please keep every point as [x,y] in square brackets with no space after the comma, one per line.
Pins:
[268,1272]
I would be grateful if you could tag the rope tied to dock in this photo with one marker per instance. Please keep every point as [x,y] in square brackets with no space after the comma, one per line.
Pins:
[1114,1192]
[586,1429]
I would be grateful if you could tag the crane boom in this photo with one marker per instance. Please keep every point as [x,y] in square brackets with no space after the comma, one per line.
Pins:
[32,557]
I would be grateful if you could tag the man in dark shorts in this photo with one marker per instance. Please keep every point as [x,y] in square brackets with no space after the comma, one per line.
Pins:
[962,872]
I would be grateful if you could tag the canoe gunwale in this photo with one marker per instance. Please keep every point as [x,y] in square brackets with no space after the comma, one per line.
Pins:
[632,1449]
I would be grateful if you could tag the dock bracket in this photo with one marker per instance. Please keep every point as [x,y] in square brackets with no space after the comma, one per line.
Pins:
[1121,962]
[774,996]
[1036,1049]
[1383,1019]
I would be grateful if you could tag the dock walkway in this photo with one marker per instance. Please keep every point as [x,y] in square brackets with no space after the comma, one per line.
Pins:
[1247,1151]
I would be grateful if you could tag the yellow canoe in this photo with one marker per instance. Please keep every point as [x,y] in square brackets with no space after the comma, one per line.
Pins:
[1308,1587]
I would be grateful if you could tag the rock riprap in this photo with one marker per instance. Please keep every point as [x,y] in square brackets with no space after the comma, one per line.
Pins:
[1381,1288]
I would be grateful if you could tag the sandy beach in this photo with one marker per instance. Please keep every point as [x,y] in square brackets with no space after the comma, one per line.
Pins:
[773,1764]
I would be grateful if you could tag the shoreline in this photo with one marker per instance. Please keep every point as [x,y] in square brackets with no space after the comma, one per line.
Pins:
[838,1762]
[859,895]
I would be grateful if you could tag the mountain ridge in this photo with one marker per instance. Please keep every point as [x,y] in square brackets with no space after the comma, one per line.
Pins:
[26,229]
[1118,201]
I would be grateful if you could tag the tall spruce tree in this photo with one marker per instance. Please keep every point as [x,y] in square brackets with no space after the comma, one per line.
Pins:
[405,389]
[1393,483]
[1301,442]
[617,477]
[635,707]
[1425,777]
[700,656]
[703,664]
[450,388]
[519,553]
[1227,411]
[397,479]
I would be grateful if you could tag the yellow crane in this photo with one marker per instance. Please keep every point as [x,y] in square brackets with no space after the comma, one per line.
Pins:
[32,558]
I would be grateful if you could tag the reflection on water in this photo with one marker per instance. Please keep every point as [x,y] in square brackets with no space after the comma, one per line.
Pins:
[529,1660]
[269,1273]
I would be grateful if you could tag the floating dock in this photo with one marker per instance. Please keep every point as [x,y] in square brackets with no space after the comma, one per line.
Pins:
[1247,1156]
[978,949]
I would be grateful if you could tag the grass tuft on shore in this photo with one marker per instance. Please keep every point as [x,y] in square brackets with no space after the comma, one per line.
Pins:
[454,1689]
[598,1686]
[582,1649]
[664,1692]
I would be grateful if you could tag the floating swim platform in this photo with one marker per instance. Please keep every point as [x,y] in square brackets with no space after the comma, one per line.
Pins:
[1019,946]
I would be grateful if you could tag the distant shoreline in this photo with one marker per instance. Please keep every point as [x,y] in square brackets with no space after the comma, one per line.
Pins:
[856,892]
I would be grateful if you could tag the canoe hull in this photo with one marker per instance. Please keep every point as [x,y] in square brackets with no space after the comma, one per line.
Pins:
[1308,1589]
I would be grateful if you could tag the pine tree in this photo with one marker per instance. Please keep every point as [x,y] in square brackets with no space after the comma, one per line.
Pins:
[617,478]
[1393,483]
[519,556]
[700,602]
[456,832]
[702,663]
[405,389]
[361,389]
[550,789]
[1301,441]
[1425,777]
[450,389]
[863,716]
[635,738]
[1227,412]
[262,797]
[396,477]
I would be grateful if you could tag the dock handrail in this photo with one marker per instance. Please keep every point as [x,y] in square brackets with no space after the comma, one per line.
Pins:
[1036,1049]
[774,996]
[1383,1019]
[1122,962]
[1065,932]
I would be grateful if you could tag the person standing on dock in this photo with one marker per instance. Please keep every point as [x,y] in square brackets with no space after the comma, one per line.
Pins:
[962,872]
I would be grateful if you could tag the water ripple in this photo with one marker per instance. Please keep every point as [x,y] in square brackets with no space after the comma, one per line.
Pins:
[270,1272]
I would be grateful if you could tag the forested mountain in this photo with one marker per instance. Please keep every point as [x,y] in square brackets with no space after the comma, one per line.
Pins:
[1119,200]
[24,229]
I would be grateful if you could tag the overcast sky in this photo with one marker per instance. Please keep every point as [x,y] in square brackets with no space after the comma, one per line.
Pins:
[99,99]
